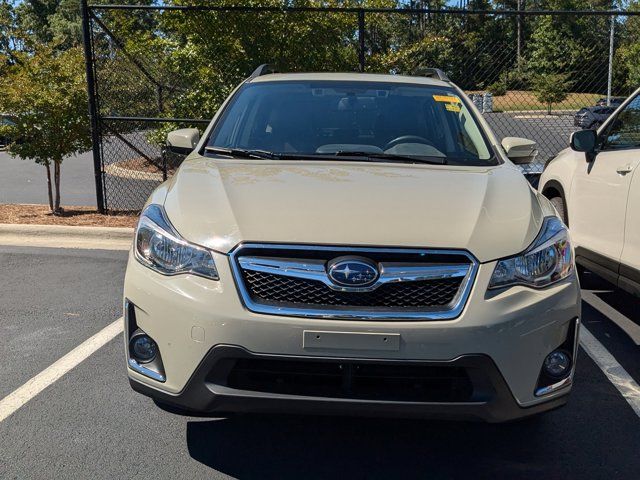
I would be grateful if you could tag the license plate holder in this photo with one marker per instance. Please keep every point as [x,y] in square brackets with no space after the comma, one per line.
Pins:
[316,339]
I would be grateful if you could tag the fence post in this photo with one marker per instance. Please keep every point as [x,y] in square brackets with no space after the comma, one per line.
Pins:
[519,33]
[610,73]
[361,29]
[93,107]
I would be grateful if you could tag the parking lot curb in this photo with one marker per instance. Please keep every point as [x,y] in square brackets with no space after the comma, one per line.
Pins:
[63,236]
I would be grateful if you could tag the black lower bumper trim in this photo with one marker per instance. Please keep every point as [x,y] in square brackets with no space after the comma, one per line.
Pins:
[208,392]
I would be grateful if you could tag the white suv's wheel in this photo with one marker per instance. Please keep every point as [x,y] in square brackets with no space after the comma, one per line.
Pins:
[558,203]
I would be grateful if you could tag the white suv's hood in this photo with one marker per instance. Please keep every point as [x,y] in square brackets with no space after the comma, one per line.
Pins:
[490,212]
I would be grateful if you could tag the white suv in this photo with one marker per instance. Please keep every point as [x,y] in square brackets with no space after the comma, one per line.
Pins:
[355,244]
[595,188]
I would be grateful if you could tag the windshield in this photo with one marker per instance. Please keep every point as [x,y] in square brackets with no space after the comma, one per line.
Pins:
[379,120]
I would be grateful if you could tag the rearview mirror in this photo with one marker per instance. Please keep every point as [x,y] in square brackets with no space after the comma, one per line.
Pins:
[183,141]
[584,141]
[520,150]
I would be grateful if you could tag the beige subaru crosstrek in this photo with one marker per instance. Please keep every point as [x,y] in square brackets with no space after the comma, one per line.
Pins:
[351,244]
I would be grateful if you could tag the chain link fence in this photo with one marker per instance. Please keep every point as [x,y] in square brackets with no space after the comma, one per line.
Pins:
[151,69]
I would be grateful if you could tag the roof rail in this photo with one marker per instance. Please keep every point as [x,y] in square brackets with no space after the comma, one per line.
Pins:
[264,69]
[434,73]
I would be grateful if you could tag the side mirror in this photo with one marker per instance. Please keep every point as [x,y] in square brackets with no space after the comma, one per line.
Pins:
[520,150]
[584,141]
[183,141]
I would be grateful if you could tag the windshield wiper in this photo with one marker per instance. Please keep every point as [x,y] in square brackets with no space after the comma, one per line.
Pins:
[431,160]
[240,152]
[366,156]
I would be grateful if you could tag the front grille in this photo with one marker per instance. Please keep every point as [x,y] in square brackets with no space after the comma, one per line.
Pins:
[267,287]
[299,280]
[353,380]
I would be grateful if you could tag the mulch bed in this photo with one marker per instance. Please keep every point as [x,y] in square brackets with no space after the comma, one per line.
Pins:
[75,216]
[141,164]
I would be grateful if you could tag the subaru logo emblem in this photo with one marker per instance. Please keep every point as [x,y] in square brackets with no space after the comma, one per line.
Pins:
[352,272]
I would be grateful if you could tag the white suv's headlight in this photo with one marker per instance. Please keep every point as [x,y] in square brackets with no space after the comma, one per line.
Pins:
[159,247]
[548,260]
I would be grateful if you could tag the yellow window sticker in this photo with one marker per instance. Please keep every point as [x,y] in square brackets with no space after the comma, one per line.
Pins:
[446,98]
[452,108]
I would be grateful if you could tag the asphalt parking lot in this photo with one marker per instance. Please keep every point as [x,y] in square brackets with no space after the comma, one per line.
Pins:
[24,181]
[90,424]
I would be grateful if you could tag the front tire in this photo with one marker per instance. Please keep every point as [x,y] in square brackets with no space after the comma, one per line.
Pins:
[560,207]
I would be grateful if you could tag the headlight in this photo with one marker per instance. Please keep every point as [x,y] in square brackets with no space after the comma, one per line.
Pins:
[159,247]
[547,260]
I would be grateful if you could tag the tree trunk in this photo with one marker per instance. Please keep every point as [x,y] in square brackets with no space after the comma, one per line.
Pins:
[56,173]
[48,166]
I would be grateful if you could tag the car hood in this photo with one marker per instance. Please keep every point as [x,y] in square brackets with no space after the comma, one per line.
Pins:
[491,212]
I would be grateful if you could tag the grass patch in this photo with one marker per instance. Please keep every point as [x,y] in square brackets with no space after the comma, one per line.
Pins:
[525,100]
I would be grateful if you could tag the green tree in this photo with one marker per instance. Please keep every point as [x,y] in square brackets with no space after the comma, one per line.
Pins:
[551,88]
[627,59]
[431,50]
[552,48]
[51,21]
[217,49]
[47,96]
[574,45]
[630,57]
[11,39]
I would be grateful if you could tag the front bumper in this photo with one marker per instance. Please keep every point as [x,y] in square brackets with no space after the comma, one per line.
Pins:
[504,334]
[210,391]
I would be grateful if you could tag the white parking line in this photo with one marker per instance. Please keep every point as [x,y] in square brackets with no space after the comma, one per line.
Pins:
[615,372]
[627,326]
[530,116]
[35,385]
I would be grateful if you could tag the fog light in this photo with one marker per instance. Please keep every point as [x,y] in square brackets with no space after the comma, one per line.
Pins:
[143,348]
[557,364]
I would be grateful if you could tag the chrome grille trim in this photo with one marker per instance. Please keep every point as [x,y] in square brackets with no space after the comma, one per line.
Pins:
[390,272]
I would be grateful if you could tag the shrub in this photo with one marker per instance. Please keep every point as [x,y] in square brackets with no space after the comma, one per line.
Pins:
[497,89]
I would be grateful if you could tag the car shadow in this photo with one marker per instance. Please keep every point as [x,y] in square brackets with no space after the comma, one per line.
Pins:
[566,443]
[618,338]
[625,303]
[301,447]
